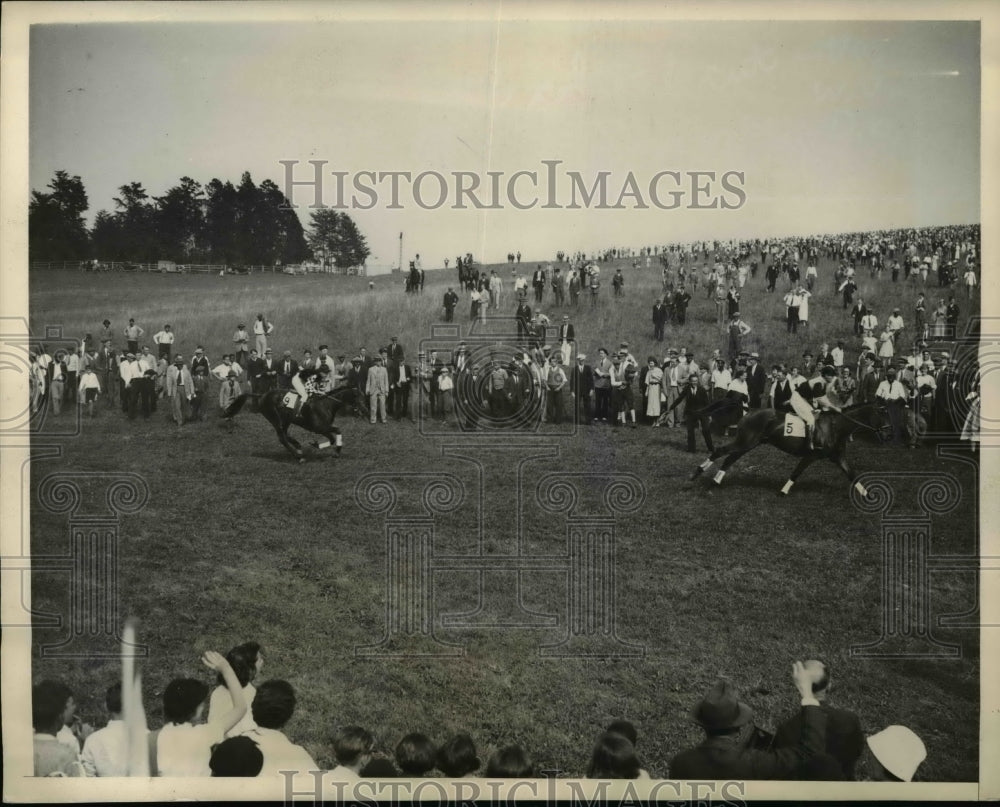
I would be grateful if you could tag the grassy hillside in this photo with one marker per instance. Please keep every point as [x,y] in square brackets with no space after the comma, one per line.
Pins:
[237,542]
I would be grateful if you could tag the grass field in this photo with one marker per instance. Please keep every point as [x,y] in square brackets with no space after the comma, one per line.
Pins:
[238,542]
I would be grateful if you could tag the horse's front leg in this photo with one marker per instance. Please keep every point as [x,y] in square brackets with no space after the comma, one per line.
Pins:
[333,438]
[841,461]
[804,463]
[290,443]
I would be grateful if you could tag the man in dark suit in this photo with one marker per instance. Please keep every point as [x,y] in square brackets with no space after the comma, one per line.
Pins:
[781,390]
[694,397]
[844,738]
[395,350]
[523,315]
[730,751]
[287,368]
[255,371]
[869,378]
[659,319]
[106,367]
[538,282]
[756,380]
[581,387]
[681,301]
[518,389]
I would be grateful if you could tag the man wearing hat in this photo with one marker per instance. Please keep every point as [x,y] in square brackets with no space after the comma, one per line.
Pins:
[628,360]
[894,754]
[288,368]
[693,398]
[727,751]
[659,319]
[895,325]
[395,350]
[756,380]
[808,364]
[199,360]
[892,394]
[566,338]
[180,389]
[106,366]
[269,371]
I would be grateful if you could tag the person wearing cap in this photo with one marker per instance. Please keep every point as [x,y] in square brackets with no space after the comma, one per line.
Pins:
[377,388]
[164,341]
[446,394]
[242,349]
[288,368]
[809,365]
[523,317]
[261,330]
[894,324]
[756,380]
[180,389]
[268,371]
[199,360]
[728,751]
[555,383]
[893,755]
[628,359]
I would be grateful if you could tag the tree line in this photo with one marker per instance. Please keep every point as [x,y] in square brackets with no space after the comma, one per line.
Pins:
[219,223]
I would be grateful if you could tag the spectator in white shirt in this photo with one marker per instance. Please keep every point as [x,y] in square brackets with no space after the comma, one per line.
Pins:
[147,361]
[132,334]
[273,706]
[892,393]
[164,341]
[869,322]
[261,330]
[51,706]
[223,371]
[106,751]
[353,748]
[837,354]
[895,325]
[182,747]
[246,660]
[90,388]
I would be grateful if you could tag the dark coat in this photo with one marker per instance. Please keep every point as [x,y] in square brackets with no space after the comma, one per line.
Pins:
[844,738]
[694,399]
[724,758]
[581,382]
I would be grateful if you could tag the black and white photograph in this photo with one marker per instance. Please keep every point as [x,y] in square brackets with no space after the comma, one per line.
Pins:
[500,401]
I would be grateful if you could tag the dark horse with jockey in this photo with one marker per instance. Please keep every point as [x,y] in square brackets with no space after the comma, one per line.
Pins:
[315,414]
[768,426]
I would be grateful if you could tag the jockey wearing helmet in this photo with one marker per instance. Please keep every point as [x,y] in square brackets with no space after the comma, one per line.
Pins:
[310,380]
[810,395]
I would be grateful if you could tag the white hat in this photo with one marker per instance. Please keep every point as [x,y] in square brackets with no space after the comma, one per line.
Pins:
[898,750]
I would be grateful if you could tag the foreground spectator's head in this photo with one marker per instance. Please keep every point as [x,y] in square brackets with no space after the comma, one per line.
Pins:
[246,660]
[51,702]
[613,758]
[625,728]
[237,756]
[415,754]
[720,711]
[895,753]
[379,768]
[274,704]
[183,700]
[509,763]
[113,699]
[353,747]
[457,757]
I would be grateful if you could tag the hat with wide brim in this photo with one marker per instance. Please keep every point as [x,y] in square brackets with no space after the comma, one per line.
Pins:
[898,750]
[720,709]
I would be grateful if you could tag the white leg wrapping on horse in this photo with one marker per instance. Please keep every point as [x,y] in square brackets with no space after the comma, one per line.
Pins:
[706,464]
[788,486]
[861,489]
[339,440]
[324,444]
[718,477]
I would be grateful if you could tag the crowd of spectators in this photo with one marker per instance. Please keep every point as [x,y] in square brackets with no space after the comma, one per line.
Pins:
[238,726]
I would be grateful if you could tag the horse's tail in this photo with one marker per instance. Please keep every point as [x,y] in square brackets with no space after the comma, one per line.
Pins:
[236,405]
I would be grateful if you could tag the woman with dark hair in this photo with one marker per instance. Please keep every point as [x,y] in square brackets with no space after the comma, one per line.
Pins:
[614,758]
[246,660]
[457,757]
[415,755]
[509,763]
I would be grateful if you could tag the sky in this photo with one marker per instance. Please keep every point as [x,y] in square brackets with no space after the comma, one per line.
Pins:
[834,126]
